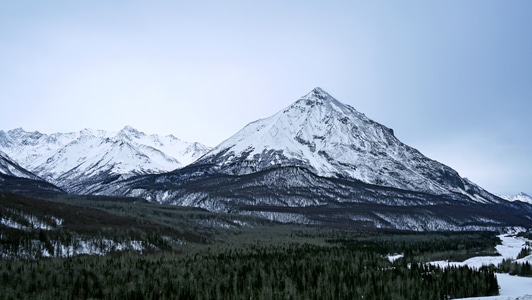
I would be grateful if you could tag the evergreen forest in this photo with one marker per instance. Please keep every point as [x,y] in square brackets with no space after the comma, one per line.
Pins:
[185,253]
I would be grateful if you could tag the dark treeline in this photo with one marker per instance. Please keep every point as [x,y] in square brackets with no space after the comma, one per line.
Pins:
[515,268]
[194,254]
[453,246]
[524,252]
[519,268]
[258,271]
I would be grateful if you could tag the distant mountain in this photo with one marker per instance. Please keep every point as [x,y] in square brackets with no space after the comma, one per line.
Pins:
[320,161]
[10,168]
[518,197]
[82,162]
[24,147]
[16,179]
[184,152]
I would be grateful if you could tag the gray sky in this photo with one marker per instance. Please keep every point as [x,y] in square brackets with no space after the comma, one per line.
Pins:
[452,78]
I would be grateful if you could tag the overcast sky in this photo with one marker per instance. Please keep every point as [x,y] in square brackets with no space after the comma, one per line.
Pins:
[452,78]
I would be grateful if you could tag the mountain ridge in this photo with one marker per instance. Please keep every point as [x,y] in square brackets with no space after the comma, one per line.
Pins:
[80,161]
[16,179]
[523,197]
[9,168]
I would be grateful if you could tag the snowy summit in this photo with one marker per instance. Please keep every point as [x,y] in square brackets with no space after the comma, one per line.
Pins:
[333,140]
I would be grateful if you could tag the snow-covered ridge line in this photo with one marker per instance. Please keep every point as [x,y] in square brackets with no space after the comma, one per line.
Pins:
[80,161]
[10,168]
[523,197]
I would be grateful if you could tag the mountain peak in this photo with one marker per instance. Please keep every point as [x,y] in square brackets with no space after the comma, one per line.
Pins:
[17,130]
[332,139]
[324,106]
[128,128]
[131,132]
[318,95]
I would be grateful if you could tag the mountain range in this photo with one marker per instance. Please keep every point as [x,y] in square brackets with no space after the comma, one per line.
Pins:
[81,162]
[317,161]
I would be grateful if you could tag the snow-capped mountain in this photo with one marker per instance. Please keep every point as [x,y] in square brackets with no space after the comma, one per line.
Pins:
[334,140]
[523,197]
[16,179]
[9,168]
[81,162]
[320,161]
[184,152]
[24,147]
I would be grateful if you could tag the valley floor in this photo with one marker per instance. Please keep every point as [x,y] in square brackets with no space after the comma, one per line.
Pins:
[511,287]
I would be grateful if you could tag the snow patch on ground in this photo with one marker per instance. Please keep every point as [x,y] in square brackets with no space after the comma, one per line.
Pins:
[22,221]
[35,249]
[96,247]
[394,257]
[281,217]
[511,287]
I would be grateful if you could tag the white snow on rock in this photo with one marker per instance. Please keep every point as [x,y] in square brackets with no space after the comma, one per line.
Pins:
[523,197]
[10,168]
[335,140]
[88,157]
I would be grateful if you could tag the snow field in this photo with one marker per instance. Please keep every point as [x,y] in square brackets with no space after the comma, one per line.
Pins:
[511,287]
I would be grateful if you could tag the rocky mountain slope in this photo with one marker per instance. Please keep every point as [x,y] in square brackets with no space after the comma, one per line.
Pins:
[16,179]
[10,168]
